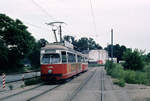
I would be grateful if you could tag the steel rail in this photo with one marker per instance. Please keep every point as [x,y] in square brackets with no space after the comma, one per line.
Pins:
[83,83]
[7,97]
[36,96]
[40,94]
[102,85]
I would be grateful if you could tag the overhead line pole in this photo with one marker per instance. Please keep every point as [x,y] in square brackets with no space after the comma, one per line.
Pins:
[111,44]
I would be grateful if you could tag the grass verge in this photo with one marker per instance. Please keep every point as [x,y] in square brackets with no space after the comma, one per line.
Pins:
[129,76]
[32,81]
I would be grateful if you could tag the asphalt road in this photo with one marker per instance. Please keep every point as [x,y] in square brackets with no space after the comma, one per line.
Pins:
[15,77]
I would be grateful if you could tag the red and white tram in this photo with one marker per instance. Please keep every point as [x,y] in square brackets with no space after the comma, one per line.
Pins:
[59,62]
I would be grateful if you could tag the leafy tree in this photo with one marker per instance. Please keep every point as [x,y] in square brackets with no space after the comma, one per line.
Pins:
[16,42]
[3,55]
[117,51]
[93,45]
[148,55]
[34,57]
[146,58]
[83,43]
[133,60]
[42,42]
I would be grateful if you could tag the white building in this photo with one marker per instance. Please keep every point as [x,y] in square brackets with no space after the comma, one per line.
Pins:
[98,56]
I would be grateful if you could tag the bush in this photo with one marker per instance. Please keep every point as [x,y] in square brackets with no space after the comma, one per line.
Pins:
[129,76]
[109,66]
[147,68]
[141,77]
[119,82]
[133,60]
[32,81]
[117,71]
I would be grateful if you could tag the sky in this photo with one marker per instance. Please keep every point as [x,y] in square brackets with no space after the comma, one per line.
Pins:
[130,19]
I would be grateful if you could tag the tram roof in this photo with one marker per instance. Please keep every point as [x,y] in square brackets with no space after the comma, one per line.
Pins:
[60,46]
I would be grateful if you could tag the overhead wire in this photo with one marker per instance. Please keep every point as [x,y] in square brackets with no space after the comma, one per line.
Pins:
[93,17]
[43,10]
[35,26]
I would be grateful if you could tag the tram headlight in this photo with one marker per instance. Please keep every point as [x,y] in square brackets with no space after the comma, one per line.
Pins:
[49,71]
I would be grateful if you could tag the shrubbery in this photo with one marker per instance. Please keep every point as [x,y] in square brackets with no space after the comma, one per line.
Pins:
[133,60]
[119,82]
[129,76]
[32,81]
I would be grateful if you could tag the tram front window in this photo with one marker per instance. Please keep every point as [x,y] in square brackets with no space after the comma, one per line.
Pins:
[51,58]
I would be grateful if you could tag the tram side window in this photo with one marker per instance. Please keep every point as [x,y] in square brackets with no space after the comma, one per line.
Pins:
[83,60]
[71,57]
[79,58]
[64,57]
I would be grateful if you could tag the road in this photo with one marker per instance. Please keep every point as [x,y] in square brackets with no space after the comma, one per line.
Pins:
[15,77]
[100,88]
[94,85]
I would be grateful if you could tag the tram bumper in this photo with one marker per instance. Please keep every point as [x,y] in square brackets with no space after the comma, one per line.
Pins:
[51,76]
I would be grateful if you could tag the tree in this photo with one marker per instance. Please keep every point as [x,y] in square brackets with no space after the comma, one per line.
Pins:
[93,45]
[42,42]
[117,51]
[34,56]
[133,60]
[16,40]
[83,43]
[3,55]
[148,55]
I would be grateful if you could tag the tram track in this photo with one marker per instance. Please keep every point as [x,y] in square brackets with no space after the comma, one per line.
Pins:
[77,90]
[28,91]
[102,84]
[41,89]
[34,97]
[47,88]
[9,96]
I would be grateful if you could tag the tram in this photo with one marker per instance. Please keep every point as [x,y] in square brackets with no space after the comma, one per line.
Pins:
[59,61]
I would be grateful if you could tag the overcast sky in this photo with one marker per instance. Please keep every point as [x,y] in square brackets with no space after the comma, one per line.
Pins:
[130,19]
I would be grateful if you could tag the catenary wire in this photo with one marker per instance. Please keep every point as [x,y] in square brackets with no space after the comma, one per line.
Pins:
[93,16]
[43,10]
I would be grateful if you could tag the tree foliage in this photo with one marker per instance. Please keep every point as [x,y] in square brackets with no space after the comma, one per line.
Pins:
[83,43]
[15,43]
[133,60]
[34,56]
[117,51]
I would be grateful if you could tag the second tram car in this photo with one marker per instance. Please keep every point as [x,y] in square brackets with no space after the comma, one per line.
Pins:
[60,62]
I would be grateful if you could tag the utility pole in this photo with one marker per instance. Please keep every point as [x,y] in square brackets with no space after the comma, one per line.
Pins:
[112,45]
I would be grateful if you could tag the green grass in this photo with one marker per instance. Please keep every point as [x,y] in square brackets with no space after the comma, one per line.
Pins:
[32,81]
[119,82]
[128,76]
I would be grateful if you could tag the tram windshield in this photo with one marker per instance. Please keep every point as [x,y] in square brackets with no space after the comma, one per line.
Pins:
[50,58]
